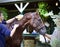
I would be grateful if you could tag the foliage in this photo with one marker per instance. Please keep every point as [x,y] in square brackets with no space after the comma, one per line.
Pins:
[4,11]
[42,8]
[43,11]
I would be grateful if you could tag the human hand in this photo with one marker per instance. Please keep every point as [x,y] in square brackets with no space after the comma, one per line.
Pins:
[19,17]
[16,25]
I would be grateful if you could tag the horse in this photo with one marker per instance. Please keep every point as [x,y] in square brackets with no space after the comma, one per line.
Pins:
[31,19]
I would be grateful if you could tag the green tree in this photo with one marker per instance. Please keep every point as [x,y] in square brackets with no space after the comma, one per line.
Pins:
[4,11]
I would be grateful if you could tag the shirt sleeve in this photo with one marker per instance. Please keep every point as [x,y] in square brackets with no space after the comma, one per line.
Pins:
[4,22]
[5,30]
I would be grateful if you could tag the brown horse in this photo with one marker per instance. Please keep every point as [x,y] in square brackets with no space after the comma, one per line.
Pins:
[32,20]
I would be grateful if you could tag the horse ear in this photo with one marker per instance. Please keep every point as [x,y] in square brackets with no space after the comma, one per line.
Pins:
[37,12]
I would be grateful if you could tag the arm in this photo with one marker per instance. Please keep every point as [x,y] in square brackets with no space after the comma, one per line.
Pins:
[18,17]
[10,20]
[48,36]
[13,30]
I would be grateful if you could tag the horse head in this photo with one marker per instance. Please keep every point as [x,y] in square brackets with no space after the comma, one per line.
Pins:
[34,21]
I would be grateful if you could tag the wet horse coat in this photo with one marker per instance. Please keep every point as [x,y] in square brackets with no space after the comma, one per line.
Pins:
[30,19]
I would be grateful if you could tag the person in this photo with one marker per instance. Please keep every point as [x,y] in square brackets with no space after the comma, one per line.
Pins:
[4,31]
